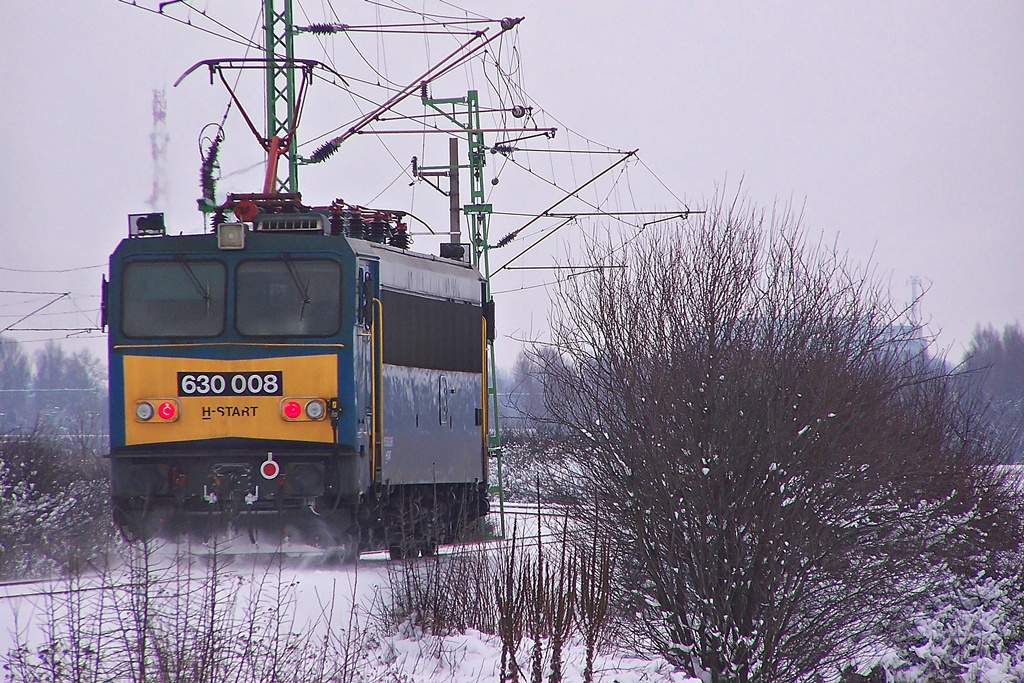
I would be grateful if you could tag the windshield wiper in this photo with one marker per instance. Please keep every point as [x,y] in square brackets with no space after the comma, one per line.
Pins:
[204,293]
[301,287]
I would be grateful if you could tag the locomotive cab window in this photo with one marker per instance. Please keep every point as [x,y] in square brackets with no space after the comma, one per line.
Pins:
[178,298]
[288,297]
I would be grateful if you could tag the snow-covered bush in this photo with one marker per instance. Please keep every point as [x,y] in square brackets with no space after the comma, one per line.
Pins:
[780,465]
[54,510]
[970,630]
[526,464]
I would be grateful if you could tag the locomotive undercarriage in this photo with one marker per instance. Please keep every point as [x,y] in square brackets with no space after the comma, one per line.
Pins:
[306,504]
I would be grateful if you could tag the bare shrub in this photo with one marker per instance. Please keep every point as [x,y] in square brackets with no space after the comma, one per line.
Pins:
[184,619]
[779,465]
[536,597]
[440,595]
[510,614]
[595,566]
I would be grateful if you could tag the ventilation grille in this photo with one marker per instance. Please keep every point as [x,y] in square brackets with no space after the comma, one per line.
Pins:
[289,223]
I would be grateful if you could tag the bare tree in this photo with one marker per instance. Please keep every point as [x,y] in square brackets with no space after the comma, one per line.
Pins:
[781,469]
[524,402]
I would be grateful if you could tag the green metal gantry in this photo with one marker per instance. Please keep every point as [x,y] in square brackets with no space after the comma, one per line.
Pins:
[281,93]
[464,112]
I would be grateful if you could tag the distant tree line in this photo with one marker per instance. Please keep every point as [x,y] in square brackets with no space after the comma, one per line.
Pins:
[996,364]
[65,392]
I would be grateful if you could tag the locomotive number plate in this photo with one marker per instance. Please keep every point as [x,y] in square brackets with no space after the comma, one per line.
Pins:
[229,383]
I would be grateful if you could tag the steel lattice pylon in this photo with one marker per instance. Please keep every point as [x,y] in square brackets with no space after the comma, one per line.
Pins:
[464,112]
[281,94]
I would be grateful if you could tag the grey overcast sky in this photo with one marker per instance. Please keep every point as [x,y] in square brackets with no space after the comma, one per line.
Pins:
[898,126]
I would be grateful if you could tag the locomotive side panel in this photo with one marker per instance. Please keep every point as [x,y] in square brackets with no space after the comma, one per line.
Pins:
[432,371]
[432,429]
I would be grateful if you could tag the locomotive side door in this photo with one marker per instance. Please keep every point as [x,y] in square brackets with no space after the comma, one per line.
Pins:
[369,364]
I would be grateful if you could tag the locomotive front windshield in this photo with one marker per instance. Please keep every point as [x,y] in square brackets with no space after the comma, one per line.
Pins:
[174,298]
[288,297]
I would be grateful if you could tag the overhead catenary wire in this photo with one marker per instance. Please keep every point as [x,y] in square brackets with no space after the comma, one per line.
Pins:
[450,62]
[243,41]
[503,70]
[397,7]
[506,76]
[48,271]
[29,315]
[573,193]
[54,329]
[523,288]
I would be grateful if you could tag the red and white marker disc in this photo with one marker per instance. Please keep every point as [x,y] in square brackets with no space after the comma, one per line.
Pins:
[270,469]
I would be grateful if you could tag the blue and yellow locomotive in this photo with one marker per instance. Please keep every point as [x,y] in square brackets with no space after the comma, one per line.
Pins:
[297,376]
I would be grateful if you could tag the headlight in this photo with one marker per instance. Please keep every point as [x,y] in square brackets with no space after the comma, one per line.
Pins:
[315,409]
[144,411]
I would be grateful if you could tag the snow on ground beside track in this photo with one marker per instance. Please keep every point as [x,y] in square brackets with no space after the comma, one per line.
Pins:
[319,598]
[473,657]
[312,597]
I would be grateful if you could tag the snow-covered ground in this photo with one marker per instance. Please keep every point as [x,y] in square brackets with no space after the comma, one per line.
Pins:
[329,613]
[336,623]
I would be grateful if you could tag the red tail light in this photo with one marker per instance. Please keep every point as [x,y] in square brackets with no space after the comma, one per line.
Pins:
[291,409]
[167,411]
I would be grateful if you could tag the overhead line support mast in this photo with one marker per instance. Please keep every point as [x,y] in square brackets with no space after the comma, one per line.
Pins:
[281,93]
[478,212]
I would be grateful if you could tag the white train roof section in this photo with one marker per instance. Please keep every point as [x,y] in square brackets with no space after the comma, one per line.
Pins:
[432,276]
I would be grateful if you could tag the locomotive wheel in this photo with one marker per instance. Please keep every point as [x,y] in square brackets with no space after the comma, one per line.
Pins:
[129,534]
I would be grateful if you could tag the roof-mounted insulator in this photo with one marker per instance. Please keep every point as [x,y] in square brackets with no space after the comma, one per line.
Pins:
[399,237]
[378,228]
[352,220]
[337,219]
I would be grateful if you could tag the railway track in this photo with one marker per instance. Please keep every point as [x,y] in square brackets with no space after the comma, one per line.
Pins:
[523,521]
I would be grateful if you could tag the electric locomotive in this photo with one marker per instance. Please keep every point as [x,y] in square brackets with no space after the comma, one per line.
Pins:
[297,375]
